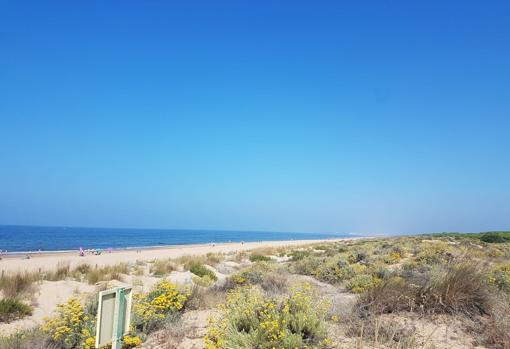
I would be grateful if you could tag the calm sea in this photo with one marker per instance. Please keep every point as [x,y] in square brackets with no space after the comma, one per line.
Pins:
[32,238]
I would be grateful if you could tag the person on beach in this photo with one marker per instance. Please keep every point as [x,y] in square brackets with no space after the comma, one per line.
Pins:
[82,253]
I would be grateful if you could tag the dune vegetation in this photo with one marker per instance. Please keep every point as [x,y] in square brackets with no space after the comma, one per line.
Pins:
[431,291]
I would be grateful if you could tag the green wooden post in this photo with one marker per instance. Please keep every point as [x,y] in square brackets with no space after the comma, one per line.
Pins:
[118,322]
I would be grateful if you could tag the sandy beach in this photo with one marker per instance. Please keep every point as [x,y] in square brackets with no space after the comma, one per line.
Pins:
[48,294]
[49,261]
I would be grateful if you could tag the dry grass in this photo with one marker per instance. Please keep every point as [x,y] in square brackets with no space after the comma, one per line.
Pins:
[214,258]
[458,287]
[275,283]
[172,336]
[240,256]
[387,332]
[27,340]
[494,331]
[18,285]
[205,298]
[211,259]
[188,261]
[62,272]
[107,273]
[270,251]
[82,268]
[162,267]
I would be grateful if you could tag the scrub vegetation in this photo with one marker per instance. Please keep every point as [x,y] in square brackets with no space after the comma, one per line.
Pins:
[432,291]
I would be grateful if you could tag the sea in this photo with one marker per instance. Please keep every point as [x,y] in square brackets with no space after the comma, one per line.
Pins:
[25,239]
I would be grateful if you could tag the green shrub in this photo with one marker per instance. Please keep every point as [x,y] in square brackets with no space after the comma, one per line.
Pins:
[308,265]
[362,282]
[334,270]
[12,309]
[250,320]
[298,255]
[252,275]
[203,281]
[495,237]
[259,258]
[201,271]
[271,279]
[357,257]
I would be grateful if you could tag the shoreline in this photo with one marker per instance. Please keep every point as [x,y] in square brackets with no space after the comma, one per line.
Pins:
[43,261]
[33,253]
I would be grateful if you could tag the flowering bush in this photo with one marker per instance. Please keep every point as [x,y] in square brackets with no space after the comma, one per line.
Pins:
[250,320]
[71,327]
[131,342]
[434,253]
[163,300]
[500,277]
[393,257]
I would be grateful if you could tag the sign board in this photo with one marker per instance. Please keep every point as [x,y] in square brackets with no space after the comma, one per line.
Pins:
[113,316]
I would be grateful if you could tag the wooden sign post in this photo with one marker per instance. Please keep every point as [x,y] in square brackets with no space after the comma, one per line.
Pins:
[113,316]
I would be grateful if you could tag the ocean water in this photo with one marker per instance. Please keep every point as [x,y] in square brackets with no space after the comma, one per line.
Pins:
[33,238]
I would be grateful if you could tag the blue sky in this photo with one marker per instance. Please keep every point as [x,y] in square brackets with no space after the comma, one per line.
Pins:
[353,116]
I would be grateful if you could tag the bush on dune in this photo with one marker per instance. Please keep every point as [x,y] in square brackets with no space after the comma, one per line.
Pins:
[458,287]
[70,327]
[259,258]
[266,275]
[163,302]
[306,265]
[250,320]
[362,282]
[12,309]
[201,271]
[500,277]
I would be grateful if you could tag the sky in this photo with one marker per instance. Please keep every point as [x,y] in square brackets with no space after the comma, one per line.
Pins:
[315,116]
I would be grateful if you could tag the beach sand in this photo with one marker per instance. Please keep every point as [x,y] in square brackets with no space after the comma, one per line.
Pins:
[49,261]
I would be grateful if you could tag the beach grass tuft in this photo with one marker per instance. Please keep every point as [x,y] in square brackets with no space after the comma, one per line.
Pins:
[19,284]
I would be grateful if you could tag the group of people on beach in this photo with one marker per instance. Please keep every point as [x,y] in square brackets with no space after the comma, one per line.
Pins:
[93,251]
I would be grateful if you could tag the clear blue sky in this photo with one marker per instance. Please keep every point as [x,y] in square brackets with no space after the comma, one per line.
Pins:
[349,116]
